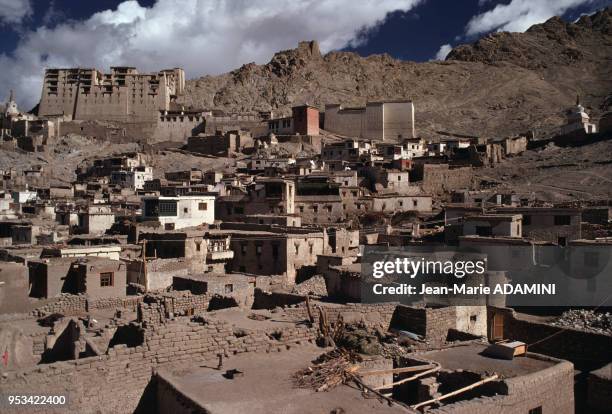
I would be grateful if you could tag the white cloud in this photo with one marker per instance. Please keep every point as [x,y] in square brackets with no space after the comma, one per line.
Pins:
[519,15]
[14,11]
[202,36]
[443,52]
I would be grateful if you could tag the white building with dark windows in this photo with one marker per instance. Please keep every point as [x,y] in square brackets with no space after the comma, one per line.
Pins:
[179,212]
[133,179]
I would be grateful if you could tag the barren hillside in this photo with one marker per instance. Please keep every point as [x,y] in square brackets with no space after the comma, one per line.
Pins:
[503,83]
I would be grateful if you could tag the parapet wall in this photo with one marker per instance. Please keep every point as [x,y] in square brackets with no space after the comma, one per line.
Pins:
[586,350]
[551,389]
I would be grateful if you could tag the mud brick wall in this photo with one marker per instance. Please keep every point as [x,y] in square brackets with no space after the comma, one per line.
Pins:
[270,300]
[125,372]
[551,388]
[432,323]
[78,304]
[154,309]
[130,303]
[599,388]
[439,178]
[373,315]
[66,305]
[586,350]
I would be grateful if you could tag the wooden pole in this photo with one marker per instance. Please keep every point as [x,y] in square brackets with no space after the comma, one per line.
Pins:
[389,400]
[144,263]
[310,317]
[459,391]
[429,371]
[397,370]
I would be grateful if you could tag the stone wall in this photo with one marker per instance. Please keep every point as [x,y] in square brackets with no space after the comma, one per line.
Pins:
[155,309]
[372,315]
[432,323]
[124,373]
[67,304]
[270,300]
[439,178]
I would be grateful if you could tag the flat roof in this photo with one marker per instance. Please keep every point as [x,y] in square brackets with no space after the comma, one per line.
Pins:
[471,358]
[266,386]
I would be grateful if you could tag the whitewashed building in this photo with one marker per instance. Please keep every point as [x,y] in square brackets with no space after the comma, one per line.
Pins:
[179,212]
[134,179]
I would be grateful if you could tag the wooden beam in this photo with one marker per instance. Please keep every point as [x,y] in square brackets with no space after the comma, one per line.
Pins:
[429,371]
[396,370]
[459,391]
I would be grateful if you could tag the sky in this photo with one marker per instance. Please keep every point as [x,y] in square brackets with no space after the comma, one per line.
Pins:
[215,36]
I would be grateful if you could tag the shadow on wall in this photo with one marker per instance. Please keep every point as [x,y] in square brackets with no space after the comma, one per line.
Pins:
[148,401]
[270,300]
[62,346]
[129,335]
[221,302]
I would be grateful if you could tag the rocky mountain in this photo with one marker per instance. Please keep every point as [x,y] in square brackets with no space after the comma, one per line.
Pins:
[502,84]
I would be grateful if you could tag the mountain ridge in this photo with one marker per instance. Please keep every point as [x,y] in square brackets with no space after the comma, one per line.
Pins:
[503,83]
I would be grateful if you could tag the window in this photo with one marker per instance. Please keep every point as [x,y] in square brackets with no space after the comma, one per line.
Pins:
[563,220]
[198,246]
[229,288]
[169,226]
[106,279]
[167,208]
[275,251]
[415,203]
[301,209]
[202,206]
[258,250]
[185,210]
[562,241]
[243,248]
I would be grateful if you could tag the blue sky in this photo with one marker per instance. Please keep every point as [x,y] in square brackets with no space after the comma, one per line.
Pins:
[214,36]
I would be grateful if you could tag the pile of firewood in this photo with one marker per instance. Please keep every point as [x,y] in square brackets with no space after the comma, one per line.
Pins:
[329,370]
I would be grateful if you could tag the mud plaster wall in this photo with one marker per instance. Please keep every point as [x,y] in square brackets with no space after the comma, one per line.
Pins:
[551,388]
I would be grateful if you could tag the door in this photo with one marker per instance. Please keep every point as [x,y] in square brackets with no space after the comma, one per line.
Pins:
[497,327]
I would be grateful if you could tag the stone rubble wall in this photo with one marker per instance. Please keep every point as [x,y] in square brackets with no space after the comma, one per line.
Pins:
[123,372]
[70,305]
